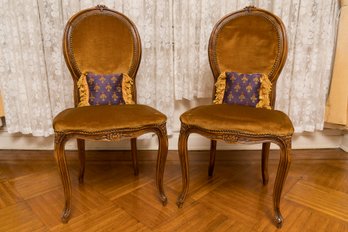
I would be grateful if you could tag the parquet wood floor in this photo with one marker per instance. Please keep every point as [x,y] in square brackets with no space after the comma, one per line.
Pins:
[315,197]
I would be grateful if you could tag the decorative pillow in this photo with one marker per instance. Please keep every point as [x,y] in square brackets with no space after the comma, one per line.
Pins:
[243,89]
[105,89]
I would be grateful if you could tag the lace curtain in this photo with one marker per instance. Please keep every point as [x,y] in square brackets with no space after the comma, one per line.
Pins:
[304,82]
[36,85]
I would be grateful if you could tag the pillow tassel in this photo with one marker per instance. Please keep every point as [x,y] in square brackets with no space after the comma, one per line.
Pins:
[82,86]
[220,86]
[127,87]
[265,90]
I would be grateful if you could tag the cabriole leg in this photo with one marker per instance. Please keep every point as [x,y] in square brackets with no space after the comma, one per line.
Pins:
[161,161]
[283,168]
[64,174]
[183,155]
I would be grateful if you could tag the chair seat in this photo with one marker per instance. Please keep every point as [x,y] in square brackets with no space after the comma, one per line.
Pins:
[107,117]
[224,117]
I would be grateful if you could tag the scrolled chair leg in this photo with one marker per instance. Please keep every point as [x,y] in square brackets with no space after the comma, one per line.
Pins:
[64,174]
[82,158]
[183,155]
[212,157]
[264,162]
[161,161]
[283,168]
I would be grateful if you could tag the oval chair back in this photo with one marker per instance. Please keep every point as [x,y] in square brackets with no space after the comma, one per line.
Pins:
[102,41]
[249,41]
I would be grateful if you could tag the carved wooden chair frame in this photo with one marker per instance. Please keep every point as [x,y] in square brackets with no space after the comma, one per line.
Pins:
[110,135]
[284,142]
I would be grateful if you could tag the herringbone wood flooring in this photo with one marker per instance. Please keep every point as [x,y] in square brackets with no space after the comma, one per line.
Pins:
[315,197]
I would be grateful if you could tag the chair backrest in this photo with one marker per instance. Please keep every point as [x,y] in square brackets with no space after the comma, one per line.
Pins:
[101,41]
[249,41]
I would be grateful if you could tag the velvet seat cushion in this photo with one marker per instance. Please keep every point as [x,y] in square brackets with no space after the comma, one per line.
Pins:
[107,117]
[245,119]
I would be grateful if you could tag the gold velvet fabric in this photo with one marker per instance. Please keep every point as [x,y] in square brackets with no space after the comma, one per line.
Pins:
[102,43]
[107,117]
[247,44]
[245,119]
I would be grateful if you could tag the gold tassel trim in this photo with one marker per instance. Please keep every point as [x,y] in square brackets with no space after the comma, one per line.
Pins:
[82,86]
[127,89]
[220,86]
[265,90]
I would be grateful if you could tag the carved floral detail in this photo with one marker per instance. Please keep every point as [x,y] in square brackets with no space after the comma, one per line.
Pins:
[59,137]
[163,128]
[230,138]
[183,128]
[116,136]
[249,8]
[101,7]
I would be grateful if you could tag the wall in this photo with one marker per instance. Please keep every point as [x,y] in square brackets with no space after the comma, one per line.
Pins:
[344,143]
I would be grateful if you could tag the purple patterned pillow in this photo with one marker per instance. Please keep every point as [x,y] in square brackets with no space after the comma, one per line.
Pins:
[243,89]
[105,89]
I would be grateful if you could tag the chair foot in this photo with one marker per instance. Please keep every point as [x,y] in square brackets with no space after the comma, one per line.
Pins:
[164,200]
[181,199]
[278,219]
[81,179]
[180,203]
[65,215]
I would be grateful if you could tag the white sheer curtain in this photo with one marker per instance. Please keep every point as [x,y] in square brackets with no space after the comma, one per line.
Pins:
[34,80]
[36,84]
[303,85]
[23,69]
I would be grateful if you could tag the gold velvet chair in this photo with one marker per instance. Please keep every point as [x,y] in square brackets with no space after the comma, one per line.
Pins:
[248,41]
[101,40]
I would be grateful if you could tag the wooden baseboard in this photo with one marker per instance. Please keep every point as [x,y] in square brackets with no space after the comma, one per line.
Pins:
[146,155]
